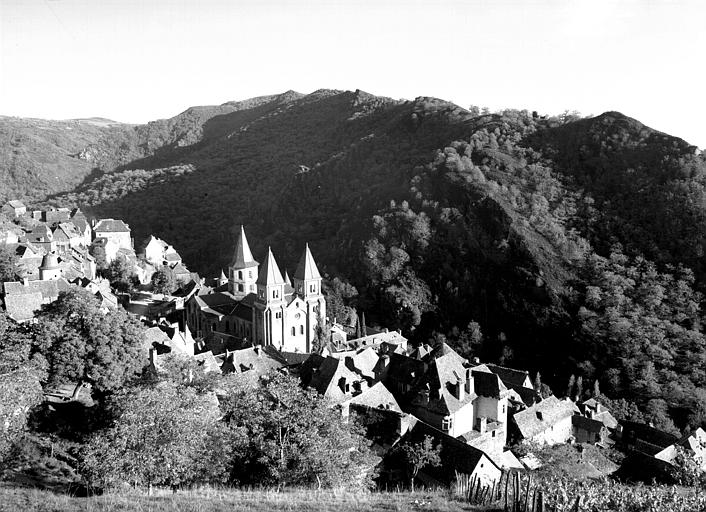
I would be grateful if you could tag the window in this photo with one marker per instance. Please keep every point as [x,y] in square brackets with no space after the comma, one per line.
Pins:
[301,329]
[250,274]
[493,433]
[262,294]
[278,314]
[312,288]
[240,274]
[240,287]
[294,331]
[446,424]
[503,409]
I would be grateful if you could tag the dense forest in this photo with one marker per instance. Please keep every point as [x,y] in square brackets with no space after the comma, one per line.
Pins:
[565,245]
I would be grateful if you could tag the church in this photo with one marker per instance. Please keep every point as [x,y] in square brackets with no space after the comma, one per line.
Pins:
[255,303]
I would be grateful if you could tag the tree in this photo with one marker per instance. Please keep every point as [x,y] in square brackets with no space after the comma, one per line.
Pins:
[8,261]
[470,340]
[538,381]
[579,388]
[162,435]
[163,280]
[363,327]
[121,276]
[84,344]
[570,386]
[419,455]
[596,388]
[21,374]
[286,435]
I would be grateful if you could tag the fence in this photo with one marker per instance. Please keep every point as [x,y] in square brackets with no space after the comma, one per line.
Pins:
[514,493]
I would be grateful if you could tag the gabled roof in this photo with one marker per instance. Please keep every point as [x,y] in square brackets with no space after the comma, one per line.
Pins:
[587,424]
[269,274]
[376,397]
[242,257]
[16,204]
[307,269]
[21,307]
[510,376]
[456,456]
[488,384]
[111,225]
[538,418]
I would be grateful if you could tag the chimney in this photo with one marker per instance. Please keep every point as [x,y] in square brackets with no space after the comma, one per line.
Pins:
[459,390]
[482,424]
[258,350]
[475,361]
[25,281]
[469,382]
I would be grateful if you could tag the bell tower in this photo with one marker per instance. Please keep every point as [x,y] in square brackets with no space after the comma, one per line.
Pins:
[243,269]
[307,285]
[270,304]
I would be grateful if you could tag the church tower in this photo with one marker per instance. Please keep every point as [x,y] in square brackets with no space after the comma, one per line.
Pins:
[307,285]
[242,272]
[270,304]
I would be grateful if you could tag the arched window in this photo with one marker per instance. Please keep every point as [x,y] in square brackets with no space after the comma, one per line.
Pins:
[294,331]
[301,329]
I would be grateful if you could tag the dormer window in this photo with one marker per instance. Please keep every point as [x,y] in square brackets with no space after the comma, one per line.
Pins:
[447,424]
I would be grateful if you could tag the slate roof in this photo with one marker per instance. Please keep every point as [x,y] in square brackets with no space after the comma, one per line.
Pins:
[455,454]
[242,256]
[538,418]
[646,439]
[208,361]
[248,359]
[49,289]
[509,376]
[376,397]
[21,307]
[307,269]
[331,377]
[111,226]
[269,274]
[488,384]
[587,424]
[443,375]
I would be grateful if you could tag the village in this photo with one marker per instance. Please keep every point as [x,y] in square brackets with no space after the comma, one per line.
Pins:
[253,319]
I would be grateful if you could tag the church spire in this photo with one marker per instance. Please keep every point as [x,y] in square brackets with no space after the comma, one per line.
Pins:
[286,278]
[307,268]
[242,258]
[269,273]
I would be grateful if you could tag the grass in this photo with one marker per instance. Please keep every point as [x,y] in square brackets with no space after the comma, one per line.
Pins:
[214,499]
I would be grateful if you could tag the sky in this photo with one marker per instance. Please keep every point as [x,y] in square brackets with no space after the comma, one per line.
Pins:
[140,60]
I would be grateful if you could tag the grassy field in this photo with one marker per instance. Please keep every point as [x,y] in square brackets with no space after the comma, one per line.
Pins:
[33,500]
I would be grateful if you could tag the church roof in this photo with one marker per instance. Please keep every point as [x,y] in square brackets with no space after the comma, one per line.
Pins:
[307,268]
[269,273]
[242,258]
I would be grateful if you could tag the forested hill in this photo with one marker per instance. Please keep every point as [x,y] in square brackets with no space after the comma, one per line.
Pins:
[563,238]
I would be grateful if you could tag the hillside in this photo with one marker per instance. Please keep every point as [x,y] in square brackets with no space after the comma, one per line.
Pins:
[439,216]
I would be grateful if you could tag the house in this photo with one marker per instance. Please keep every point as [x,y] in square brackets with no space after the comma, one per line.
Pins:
[115,231]
[66,236]
[593,409]
[80,222]
[456,456]
[650,451]
[588,430]
[547,422]
[158,252]
[14,208]
[56,215]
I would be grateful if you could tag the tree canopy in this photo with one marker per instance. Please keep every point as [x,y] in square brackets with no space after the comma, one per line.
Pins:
[83,343]
[287,435]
